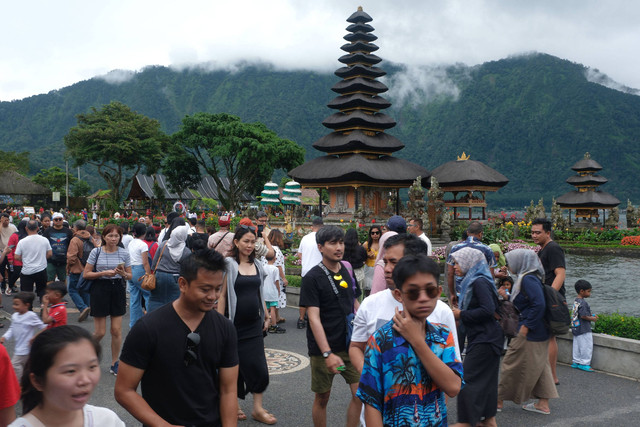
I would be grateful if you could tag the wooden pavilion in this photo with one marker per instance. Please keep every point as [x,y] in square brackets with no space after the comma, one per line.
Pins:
[358,168]
[586,199]
[468,180]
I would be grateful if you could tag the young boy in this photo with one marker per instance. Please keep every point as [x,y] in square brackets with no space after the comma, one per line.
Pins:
[272,293]
[403,387]
[581,327]
[54,312]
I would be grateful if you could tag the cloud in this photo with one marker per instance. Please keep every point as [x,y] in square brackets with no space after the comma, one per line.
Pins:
[116,77]
[421,84]
[595,76]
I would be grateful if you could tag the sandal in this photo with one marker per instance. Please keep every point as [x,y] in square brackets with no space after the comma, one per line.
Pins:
[267,418]
[241,415]
[531,407]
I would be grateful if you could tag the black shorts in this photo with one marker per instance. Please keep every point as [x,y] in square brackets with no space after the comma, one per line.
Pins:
[108,298]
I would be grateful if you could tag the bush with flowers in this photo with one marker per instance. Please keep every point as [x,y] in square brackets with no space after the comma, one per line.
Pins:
[630,241]
[618,325]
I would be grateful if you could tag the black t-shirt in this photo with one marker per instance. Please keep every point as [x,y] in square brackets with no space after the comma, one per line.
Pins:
[552,257]
[183,395]
[316,291]
[59,240]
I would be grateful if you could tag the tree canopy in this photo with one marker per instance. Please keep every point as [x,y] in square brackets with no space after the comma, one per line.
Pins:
[222,145]
[14,161]
[119,142]
[55,179]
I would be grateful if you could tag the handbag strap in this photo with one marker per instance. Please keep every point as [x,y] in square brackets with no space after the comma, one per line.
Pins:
[160,257]
[221,239]
[333,283]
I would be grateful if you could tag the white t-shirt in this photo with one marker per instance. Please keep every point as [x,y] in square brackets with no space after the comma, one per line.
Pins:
[427,241]
[136,248]
[94,416]
[270,291]
[377,309]
[311,255]
[23,328]
[33,250]
[126,239]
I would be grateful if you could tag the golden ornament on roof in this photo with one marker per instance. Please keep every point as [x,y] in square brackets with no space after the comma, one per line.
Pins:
[463,157]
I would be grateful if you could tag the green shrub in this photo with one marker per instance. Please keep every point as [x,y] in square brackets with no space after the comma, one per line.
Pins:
[618,325]
[294,281]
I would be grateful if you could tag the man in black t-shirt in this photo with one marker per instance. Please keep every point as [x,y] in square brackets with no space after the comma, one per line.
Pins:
[552,258]
[59,238]
[184,354]
[327,293]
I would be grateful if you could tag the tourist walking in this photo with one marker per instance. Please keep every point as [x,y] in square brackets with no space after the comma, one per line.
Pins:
[33,251]
[372,247]
[187,345]
[59,238]
[109,266]
[552,258]
[415,227]
[80,247]
[478,303]
[139,256]
[243,300]
[277,242]
[526,372]
[355,255]
[309,256]
[379,282]
[15,266]
[222,240]
[6,230]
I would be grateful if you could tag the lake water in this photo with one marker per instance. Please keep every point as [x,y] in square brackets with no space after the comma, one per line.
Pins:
[615,281]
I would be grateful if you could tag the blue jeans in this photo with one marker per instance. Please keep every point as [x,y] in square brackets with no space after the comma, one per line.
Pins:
[80,299]
[135,293]
[166,290]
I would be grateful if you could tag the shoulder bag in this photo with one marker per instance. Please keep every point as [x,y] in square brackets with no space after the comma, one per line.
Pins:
[84,285]
[148,281]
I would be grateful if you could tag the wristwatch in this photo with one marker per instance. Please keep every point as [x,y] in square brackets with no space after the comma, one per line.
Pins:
[326,354]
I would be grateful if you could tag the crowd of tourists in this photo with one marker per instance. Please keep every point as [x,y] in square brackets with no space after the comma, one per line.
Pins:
[373,313]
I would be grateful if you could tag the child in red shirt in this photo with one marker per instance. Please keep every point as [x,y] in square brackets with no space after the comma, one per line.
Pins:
[54,310]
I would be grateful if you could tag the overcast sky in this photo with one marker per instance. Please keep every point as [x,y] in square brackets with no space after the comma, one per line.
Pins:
[48,44]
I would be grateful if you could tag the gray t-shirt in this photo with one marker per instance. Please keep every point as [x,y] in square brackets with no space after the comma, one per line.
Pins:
[581,308]
[167,264]
[109,261]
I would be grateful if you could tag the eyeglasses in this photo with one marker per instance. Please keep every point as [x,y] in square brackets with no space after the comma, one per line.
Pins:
[58,219]
[248,227]
[190,354]
[375,233]
[414,293]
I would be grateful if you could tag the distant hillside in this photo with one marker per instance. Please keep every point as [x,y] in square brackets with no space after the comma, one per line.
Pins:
[530,117]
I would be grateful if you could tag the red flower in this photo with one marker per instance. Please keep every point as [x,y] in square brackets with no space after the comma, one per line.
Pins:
[373,221]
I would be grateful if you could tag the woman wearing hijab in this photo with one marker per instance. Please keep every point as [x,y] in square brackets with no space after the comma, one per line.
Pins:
[478,303]
[379,283]
[166,263]
[500,272]
[526,372]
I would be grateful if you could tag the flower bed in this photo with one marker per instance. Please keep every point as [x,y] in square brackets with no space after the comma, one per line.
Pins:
[618,325]
[630,241]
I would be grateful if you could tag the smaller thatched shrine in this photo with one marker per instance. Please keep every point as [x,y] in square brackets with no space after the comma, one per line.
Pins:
[15,188]
[468,180]
[586,199]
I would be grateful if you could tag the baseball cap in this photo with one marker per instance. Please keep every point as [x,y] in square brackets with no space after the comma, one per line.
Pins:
[224,220]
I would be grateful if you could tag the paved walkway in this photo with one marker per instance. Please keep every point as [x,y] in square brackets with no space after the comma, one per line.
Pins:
[593,399]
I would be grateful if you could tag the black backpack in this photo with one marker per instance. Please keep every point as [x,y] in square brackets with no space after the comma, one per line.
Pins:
[87,247]
[556,313]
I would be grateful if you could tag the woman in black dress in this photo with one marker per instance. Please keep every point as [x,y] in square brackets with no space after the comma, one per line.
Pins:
[244,304]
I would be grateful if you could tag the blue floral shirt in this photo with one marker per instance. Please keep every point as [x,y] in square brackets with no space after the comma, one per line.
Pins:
[395,383]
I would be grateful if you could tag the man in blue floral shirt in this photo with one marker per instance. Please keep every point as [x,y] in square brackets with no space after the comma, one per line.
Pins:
[410,363]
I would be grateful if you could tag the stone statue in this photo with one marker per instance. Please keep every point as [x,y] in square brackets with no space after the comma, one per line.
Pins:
[530,213]
[445,226]
[614,218]
[632,215]
[556,216]
[539,211]
[416,204]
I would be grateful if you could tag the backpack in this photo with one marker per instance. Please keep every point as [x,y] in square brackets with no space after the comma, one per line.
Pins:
[556,313]
[87,247]
[508,317]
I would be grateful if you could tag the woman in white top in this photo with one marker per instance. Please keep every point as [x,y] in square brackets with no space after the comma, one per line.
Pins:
[139,254]
[109,266]
[63,370]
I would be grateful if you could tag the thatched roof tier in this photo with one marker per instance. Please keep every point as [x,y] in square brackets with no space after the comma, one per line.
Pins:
[586,180]
[359,16]
[14,184]
[359,35]
[468,173]
[359,100]
[587,200]
[359,120]
[142,188]
[586,164]
[359,46]
[359,84]
[364,28]
[358,141]
[356,170]
[362,58]
[359,70]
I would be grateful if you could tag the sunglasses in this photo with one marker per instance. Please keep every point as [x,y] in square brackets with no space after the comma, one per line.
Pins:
[375,233]
[190,354]
[58,219]
[248,227]
[414,293]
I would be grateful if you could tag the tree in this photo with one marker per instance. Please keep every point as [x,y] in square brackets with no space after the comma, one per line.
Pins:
[55,179]
[119,142]
[13,161]
[81,188]
[224,146]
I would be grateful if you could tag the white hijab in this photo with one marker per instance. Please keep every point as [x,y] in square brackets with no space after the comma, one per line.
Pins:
[177,242]
[523,262]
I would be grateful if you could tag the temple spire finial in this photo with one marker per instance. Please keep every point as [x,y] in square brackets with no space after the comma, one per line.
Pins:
[463,157]
[359,8]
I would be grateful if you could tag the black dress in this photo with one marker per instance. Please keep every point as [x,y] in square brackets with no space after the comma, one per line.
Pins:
[253,376]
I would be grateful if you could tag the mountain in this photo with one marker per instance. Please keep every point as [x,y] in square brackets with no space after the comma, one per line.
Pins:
[530,117]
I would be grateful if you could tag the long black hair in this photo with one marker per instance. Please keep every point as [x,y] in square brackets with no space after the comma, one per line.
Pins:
[369,239]
[175,223]
[240,232]
[44,349]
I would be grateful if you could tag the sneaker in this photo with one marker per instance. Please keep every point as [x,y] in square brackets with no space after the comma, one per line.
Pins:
[114,369]
[8,291]
[272,329]
[279,330]
[301,324]
[84,314]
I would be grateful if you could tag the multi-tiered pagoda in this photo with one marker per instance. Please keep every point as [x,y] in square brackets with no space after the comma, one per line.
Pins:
[586,199]
[358,169]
